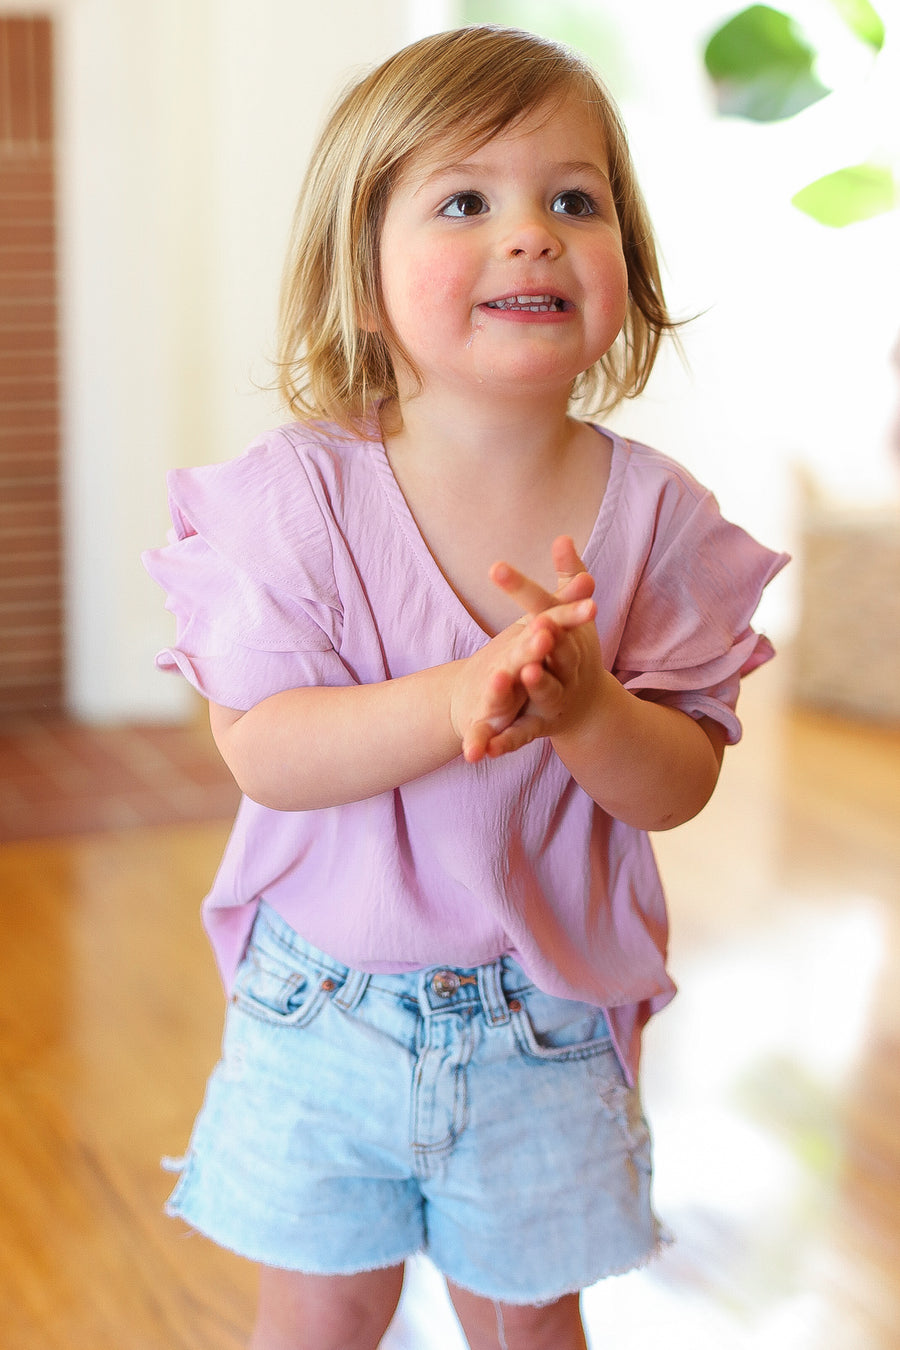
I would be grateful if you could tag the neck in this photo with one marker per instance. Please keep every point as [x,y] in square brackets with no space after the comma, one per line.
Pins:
[503,439]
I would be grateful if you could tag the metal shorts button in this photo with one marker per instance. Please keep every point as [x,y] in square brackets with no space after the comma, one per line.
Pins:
[445,983]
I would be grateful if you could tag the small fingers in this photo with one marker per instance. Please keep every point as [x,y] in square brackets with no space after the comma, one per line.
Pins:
[569,614]
[523,731]
[577,587]
[528,595]
[476,741]
[541,685]
[566,559]
[574,582]
[489,739]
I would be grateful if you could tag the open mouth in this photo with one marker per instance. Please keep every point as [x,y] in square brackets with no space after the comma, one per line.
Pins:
[530,304]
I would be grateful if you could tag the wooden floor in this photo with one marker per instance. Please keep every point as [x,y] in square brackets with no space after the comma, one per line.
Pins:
[59,778]
[773,1081]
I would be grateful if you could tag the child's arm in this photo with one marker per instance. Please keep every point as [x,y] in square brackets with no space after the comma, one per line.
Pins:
[646,764]
[315,747]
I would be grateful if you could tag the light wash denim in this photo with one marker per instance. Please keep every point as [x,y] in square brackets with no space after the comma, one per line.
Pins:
[356,1119]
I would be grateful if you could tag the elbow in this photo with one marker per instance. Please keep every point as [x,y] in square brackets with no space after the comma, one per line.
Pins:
[273,792]
[264,795]
[287,792]
[701,774]
[258,784]
[258,774]
[673,819]
[688,806]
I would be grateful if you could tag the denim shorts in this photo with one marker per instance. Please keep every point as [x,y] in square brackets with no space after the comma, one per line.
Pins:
[354,1120]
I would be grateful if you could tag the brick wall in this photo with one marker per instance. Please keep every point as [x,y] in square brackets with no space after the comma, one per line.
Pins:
[31,677]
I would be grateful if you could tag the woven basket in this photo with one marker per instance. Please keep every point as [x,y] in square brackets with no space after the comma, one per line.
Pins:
[847,651]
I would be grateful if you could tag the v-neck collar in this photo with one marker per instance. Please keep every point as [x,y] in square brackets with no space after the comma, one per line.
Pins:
[425,560]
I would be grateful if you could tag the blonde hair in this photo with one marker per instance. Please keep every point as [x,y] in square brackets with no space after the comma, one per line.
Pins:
[461,88]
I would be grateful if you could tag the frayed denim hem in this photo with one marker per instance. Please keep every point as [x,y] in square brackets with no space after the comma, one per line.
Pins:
[664,1238]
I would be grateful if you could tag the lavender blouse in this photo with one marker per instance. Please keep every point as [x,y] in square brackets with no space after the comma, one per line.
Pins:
[299,563]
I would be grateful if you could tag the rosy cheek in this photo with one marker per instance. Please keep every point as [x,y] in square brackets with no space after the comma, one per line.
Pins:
[439,278]
[611,276]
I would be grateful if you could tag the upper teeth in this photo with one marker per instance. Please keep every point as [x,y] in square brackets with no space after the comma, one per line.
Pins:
[538,303]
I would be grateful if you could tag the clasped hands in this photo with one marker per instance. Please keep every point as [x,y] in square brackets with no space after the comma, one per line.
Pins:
[539,676]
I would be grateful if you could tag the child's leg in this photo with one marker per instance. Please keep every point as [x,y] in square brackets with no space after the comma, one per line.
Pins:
[509,1326]
[325,1312]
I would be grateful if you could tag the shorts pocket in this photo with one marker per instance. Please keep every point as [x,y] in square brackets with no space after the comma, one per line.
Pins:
[280,991]
[622,1106]
[558,1029]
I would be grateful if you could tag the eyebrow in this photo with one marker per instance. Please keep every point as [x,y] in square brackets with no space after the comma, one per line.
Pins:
[565,167]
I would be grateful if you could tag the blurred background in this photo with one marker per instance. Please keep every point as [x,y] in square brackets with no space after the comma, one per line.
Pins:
[164,145]
[150,156]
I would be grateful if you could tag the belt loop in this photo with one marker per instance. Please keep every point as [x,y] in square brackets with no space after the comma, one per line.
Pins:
[493,999]
[352,990]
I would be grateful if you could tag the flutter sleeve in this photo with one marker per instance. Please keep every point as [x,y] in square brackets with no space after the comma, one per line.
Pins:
[688,639]
[248,576]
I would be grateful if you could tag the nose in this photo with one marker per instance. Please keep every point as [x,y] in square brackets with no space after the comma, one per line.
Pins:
[530,235]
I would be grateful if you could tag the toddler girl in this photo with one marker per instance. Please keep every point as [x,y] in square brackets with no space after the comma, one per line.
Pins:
[463,650]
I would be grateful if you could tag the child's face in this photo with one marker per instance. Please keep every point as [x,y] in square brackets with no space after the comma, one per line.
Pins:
[529,215]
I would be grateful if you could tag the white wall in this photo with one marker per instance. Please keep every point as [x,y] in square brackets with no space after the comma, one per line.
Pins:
[184,126]
[183,129]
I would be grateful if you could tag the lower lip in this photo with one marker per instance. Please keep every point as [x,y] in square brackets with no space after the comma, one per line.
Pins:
[526,315]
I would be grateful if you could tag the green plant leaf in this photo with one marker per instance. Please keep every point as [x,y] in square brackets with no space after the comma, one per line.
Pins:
[761,67]
[849,195]
[861,19]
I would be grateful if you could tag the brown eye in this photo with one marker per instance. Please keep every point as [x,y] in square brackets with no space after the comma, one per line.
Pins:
[574,204]
[464,204]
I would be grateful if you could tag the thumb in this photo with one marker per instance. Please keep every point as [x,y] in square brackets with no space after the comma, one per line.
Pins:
[573,581]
